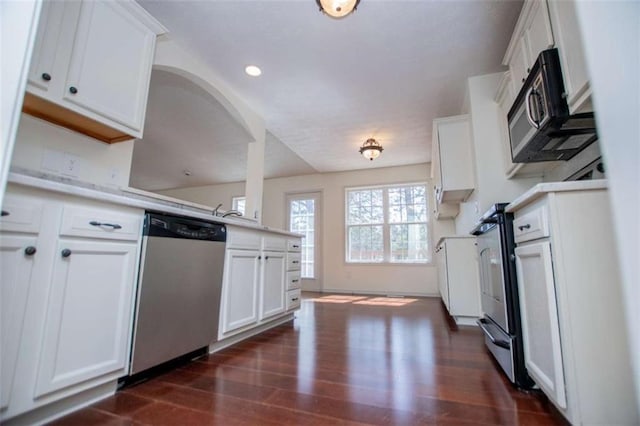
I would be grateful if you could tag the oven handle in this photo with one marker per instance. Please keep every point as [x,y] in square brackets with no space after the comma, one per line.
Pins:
[527,103]
[501,343]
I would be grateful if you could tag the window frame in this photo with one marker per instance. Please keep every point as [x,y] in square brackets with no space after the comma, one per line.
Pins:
[386,225]
[235,200]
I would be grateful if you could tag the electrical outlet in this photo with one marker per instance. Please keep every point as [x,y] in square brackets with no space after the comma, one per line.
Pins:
[71,165]
[52,160]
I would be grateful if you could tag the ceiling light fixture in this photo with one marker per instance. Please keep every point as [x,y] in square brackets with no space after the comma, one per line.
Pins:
[371,149]
[253,71]
[337,8]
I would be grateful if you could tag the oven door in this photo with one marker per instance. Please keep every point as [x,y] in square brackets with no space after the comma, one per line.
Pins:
[492,278]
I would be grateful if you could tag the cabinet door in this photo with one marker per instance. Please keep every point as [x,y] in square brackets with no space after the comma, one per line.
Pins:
[519,63]
[272,289]
[540,327]
[443,279]
[42,73]
[89,313]
[16,266]
[538,33]
[566,30]
[110,63]
[240,289]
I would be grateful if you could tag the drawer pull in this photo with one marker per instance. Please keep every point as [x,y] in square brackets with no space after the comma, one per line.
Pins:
[112,225]
[30,251]
[523,227]
[295,261]
[5,213]
[65,253]
[296,246]
[294,281]
[294,299]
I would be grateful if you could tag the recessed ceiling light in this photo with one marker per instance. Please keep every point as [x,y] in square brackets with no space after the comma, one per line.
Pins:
[253,71]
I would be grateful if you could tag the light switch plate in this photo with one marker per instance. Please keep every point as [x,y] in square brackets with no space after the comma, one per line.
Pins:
[71,165]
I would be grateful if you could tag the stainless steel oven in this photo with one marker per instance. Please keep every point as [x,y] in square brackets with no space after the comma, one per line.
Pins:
[499,293]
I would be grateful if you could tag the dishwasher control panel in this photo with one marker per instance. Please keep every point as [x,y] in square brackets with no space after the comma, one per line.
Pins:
[158,225]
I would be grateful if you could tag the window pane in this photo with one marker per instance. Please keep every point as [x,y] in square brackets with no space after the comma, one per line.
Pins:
[409,243]
[407,204]
[365,207]
[365,244]
[238,203]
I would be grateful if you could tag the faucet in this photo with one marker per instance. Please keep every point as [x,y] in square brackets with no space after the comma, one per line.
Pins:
[232,212]
[215,211]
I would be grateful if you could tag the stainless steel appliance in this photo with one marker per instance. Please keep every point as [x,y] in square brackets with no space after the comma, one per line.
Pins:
[499,293]
[179,289]
[540,127]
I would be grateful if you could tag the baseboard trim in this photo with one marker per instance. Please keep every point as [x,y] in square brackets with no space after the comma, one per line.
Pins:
[377,293]
[232,340]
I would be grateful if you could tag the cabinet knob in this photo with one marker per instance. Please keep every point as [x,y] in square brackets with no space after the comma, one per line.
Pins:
[5,213]
[523,80]
[528,70]
[266,258]
[259,257]
[66,253]
[46,76]
[30,251]
[73,90]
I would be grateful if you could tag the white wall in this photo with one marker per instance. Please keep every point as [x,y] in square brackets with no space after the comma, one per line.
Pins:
[492,186]
[611,34]
[41,145]
[337,275]
[209,195]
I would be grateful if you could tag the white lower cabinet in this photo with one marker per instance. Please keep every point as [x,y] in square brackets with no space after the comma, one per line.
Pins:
[539,312]
[458,277]
[273,284]
[87,323]
[16,267]
[255,283]
[67,301]
[240,290]
[575,344]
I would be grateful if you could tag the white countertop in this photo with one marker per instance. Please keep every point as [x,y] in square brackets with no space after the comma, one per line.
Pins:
[129,197]
[451,237]
[542,189]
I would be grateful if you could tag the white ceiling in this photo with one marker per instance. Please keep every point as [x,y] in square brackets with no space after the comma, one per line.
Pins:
[385,71]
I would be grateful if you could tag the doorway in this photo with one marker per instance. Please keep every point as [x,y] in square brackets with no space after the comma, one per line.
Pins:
[304,217]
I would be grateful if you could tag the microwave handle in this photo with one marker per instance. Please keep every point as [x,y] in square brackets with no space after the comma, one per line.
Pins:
[527,97]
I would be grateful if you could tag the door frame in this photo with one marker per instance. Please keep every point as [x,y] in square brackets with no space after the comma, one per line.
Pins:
[308,284]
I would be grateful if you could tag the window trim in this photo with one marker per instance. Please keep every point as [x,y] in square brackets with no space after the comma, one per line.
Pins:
[386,225]
[234,201]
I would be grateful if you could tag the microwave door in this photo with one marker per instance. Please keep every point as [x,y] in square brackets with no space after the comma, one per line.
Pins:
[520,130]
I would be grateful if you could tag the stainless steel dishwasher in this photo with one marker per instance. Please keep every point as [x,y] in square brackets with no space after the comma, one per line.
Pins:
[179,289]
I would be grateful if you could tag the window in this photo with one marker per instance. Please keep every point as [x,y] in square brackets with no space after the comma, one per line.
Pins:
[238,203]
[387,224]
[302,219]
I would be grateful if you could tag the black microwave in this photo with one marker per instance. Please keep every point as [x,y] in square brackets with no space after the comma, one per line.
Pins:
[540,127]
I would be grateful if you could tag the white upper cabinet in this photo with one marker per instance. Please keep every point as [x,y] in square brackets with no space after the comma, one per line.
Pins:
[91,67]
[531,36]
[453,166]
[574,67]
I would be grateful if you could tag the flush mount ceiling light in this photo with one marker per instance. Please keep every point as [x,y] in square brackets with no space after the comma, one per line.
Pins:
[337,8]
[253,71]
[371,149]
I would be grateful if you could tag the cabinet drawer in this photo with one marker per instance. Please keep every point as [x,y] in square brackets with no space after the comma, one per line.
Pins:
[293,299]
[294,245]
[20,214]
[100,223]
[273,243]
[531,225]
[240,238]
[293,261]
[293,280]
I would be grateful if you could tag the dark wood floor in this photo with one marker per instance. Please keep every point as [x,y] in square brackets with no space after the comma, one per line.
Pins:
[344,360]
